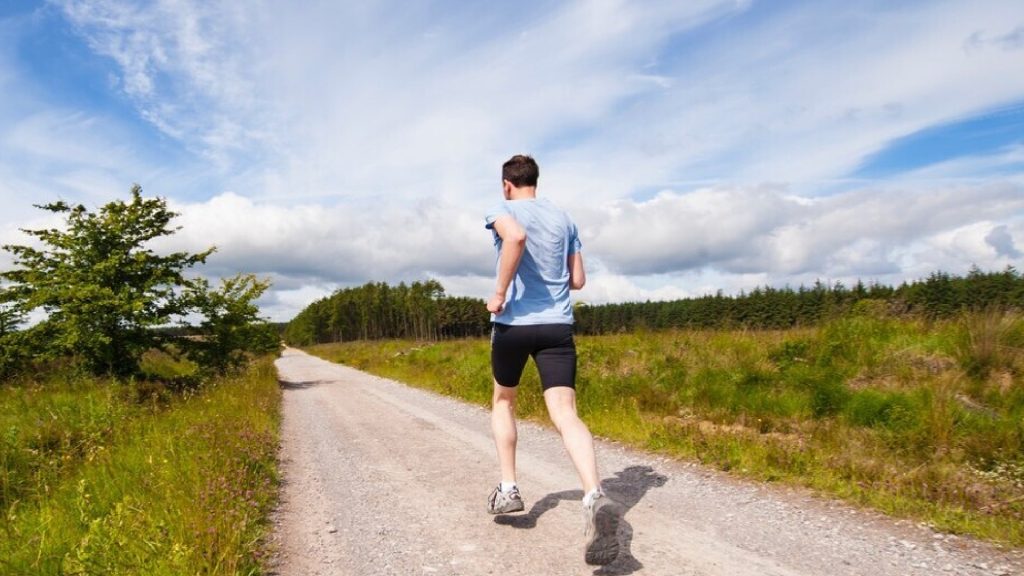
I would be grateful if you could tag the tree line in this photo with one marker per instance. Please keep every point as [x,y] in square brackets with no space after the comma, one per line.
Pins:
[423,311]
[941,295]
[375,310]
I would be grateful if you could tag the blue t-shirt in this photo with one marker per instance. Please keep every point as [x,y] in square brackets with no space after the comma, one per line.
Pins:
[539,293]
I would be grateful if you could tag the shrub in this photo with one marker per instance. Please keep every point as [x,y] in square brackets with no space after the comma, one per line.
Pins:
[872,408]
[791,353]
[107,296]
[101,286]
[828,397]
[989,341]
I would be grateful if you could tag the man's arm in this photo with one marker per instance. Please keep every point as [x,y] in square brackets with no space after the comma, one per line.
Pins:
[513,242]
[577,275]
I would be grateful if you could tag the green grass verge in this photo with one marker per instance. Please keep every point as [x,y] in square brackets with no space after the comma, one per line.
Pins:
[102,477]
[919,420]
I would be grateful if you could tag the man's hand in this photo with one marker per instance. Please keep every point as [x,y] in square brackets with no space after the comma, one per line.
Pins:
[513,244]
[496,304]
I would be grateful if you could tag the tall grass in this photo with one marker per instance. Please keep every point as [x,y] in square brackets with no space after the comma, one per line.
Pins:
[890,413]
[100,477]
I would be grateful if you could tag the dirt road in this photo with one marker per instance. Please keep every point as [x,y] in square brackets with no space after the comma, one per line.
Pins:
[380,478]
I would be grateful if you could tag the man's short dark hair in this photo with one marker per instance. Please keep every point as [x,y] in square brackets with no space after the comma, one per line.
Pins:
[521,171]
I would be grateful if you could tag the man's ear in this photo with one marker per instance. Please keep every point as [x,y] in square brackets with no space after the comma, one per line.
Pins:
[506,188]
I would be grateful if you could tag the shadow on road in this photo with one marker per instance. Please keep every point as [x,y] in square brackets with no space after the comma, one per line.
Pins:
[299,385]
[627,488]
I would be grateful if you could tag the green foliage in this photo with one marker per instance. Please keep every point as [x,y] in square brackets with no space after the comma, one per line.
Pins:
[231,326]
[12,348]
[102,287]
[874,408]
[145,470]
[422,311]
[45,435]
[376,310]
[112,544]
[108,298]
[790,354]
[941,295]
[989,341]
[96,482]
[11,315]
[828,397]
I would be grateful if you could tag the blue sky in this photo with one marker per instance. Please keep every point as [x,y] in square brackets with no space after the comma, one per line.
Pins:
[986,134]
[701,146]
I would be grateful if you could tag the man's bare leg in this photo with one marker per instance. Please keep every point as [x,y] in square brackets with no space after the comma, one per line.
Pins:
[561,403]
[503,425]
[602,544]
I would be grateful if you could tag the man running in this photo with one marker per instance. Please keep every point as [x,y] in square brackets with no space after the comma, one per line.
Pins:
[539,262]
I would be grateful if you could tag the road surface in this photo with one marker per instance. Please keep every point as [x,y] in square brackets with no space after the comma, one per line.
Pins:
[381,478]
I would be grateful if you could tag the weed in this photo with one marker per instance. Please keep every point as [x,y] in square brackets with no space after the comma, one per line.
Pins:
[990,340]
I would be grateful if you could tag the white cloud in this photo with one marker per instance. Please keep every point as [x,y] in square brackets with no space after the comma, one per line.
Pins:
[1002,241]
[802,96]
[405,97]
[333,245]
[674,245]
[190,67]
[281,304]
[603,287]
[746,230]
[410,99]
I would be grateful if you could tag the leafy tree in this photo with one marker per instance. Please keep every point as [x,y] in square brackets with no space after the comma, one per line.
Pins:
[12,349]
[101,286]
[231,326]
[11,315]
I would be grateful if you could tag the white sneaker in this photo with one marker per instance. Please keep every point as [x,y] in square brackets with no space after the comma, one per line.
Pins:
[601,531]
[504,502]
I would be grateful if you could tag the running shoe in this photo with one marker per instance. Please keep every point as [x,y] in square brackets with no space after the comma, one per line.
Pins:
[601,531]
[505,502]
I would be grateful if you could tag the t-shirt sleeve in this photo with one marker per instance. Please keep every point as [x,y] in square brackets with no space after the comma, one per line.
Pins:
[574,239]
[496,211]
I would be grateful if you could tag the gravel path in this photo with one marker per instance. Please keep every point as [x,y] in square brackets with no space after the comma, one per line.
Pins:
[380,478]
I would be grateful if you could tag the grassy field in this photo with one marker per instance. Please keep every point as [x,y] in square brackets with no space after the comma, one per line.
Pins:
[104,477]
[923,420]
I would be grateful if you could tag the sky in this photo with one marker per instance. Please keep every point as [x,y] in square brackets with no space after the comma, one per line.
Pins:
[700,146]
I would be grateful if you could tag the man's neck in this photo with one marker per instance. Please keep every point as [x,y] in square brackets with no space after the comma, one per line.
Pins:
[524,193]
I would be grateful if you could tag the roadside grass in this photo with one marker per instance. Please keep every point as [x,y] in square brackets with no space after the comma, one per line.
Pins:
[105,477]
[922,420]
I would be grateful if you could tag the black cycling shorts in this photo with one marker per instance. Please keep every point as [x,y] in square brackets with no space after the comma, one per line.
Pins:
[552,348]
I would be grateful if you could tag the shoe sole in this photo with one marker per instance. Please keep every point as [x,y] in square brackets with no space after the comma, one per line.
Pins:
[603,546]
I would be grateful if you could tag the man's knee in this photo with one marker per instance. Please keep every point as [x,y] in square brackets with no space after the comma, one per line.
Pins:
[503,395]
[560,398]
[561,404]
